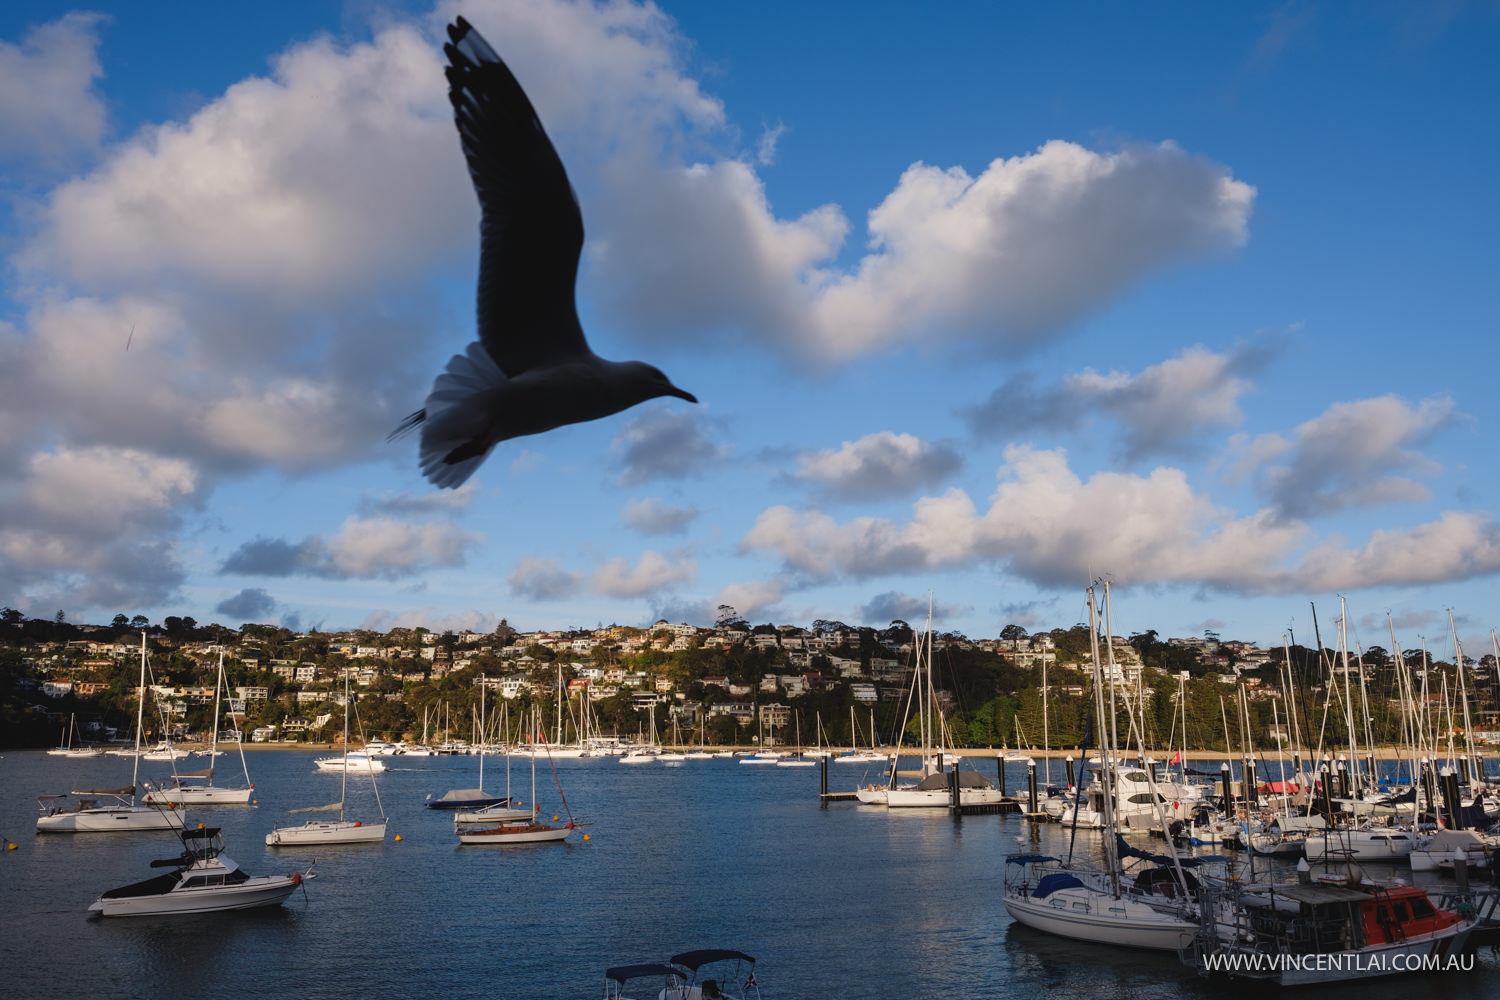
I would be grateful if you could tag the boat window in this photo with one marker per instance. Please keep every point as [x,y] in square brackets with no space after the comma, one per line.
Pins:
[1402,913]
[1421,908]
[1140,798]
[1135,776]
[1081,906]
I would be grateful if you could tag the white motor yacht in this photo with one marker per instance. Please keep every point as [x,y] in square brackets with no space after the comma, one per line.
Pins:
[205,880]
[354,762]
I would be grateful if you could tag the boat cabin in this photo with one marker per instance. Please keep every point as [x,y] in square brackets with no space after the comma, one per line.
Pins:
[1325,918]
[1402,912]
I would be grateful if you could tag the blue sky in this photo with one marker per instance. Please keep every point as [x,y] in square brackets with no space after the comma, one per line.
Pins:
[984,300]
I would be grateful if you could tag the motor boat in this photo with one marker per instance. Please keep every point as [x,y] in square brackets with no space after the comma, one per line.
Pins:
[354,762]
[204,880]
[707,974]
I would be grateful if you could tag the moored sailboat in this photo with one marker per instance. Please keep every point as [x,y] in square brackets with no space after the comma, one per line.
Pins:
[66,747]
[516,831]
[1151,907]
[199,787]
[341,830]
[122,814]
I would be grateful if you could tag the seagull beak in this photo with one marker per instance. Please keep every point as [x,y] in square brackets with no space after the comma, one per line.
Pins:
[682,394]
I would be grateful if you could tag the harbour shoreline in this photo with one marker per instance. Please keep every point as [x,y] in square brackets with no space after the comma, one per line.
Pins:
[1382,753]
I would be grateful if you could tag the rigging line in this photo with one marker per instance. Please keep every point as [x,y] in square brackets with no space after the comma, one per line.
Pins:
[557,781]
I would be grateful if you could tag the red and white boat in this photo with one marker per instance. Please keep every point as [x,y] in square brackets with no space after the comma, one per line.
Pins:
[1316,931]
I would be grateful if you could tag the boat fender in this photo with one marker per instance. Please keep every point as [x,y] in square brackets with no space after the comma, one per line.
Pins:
[296,879]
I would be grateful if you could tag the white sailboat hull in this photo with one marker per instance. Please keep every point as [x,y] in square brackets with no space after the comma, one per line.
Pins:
[1087,915]
[200,795]
[940,798]
[105,820]
[492,815]
[327,832]
[520,834]
[1359,845]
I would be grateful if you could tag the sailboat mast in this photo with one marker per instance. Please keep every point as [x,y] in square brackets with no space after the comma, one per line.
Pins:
[1046,757]
[1106,756]
[928,694]
[213,746]
[140,718]
[1463,693]
[1109,652]
[344,771]
[1349,697]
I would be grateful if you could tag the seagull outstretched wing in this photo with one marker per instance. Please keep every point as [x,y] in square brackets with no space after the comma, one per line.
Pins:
[531,369]
[531,231]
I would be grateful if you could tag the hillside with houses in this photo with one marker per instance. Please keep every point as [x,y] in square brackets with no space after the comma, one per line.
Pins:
[730,684]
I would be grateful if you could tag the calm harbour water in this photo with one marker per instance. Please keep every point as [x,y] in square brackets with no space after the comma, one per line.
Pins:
[836,901]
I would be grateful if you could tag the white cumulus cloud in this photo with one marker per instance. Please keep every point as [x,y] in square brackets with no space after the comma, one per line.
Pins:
[1352,455]
[652,572]
[881,464]
[49,110]
[1046,524]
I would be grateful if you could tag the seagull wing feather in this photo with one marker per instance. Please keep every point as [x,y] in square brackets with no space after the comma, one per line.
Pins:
[531,230]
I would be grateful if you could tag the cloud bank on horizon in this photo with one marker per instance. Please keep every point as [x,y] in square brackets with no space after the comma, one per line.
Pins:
[245,298]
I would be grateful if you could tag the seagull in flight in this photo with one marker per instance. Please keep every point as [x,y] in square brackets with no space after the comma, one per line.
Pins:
[531,369]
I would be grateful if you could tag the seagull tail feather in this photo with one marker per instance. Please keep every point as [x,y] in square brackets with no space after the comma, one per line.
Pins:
[407,426]
[456,432]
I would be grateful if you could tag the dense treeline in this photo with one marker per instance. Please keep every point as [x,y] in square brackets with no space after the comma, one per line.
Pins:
[985,698]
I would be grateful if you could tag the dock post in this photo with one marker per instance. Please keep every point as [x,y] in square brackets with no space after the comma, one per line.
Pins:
[823,796]
[953,799]
[1031,785]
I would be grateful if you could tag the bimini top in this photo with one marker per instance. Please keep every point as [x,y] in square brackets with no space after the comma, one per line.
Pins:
[696,959]
[620,973]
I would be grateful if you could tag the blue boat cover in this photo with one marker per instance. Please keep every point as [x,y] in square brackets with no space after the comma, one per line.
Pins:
[1051,883]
